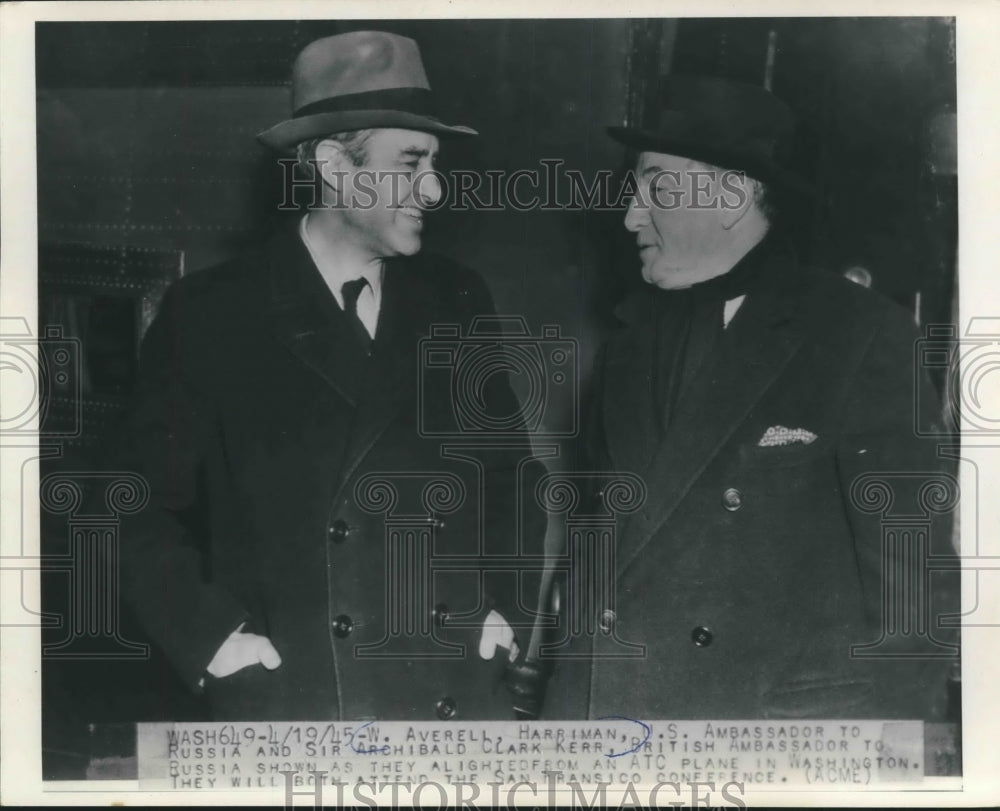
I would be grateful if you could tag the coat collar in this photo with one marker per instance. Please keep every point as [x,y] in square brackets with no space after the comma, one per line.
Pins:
[761,339]
[304,316]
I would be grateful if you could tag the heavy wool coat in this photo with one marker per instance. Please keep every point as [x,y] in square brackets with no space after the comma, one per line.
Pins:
[292,488]
[756,563]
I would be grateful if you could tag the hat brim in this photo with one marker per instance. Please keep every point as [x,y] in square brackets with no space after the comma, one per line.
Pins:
[763,170]
[287,134]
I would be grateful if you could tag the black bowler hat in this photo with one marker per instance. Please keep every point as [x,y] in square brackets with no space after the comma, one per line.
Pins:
[732,125]
[355,81]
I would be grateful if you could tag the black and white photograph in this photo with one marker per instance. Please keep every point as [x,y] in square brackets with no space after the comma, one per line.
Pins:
[535,407]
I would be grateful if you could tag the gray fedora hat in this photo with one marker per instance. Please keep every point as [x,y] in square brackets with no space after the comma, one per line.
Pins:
[355,81]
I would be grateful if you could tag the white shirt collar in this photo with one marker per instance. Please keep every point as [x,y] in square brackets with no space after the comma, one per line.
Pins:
[729,309]
[331,273]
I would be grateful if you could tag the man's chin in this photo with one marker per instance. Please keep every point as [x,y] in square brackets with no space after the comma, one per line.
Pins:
[406,247]
[661,277]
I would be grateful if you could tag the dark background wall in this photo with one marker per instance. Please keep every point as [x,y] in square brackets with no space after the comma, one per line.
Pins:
[876,101]
[145,138]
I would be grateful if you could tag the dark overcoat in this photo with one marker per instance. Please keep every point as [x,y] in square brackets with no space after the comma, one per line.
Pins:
[293,487]
[752,568]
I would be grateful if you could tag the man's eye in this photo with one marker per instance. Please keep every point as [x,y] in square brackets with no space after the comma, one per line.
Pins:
[412,164]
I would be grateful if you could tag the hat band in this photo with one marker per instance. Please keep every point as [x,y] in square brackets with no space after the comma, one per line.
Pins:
[416,100]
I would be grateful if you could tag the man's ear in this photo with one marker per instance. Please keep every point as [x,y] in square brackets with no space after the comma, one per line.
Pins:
[332,163]
[738,199]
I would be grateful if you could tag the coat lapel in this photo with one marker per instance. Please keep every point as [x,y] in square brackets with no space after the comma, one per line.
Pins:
[390,383]
[757,346]
[629,419]
[304,316]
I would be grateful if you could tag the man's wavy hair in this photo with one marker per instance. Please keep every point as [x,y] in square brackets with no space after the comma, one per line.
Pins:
[355,144]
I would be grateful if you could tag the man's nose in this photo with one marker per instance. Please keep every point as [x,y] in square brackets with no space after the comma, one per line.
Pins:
[427,189]
[637,214]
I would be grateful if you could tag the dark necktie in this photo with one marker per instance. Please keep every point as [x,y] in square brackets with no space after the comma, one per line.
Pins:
[351,291]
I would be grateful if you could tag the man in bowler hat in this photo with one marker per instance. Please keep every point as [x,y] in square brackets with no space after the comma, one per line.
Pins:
[283,563]
[763,403]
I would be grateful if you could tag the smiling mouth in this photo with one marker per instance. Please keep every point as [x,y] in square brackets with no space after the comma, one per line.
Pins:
[414,214]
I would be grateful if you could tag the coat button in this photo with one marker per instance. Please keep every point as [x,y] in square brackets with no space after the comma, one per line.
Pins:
[446,709]
[342,626]
[701,636]
[732,499]
[436,521]
[338,531]
[606,620]
[439,614]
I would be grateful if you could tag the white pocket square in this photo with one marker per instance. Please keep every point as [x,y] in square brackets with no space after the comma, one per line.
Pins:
[778,435]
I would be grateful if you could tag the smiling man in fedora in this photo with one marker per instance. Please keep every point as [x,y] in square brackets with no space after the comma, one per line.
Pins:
[284,560]
[767,407]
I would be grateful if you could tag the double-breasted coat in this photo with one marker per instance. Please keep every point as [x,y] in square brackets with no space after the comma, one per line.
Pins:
[756,564]
[293,488]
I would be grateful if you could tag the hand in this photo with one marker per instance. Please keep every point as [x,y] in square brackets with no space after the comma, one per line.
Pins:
[497,633]
[241,650]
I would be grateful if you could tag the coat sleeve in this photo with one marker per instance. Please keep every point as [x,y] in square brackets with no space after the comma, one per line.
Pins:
[164,556]
[892,479]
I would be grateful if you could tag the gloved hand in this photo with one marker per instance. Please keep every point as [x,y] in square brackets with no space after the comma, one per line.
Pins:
[241,650]
[497,634]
